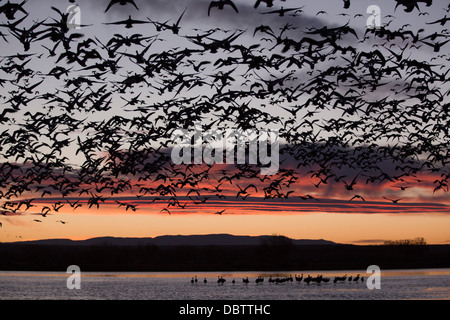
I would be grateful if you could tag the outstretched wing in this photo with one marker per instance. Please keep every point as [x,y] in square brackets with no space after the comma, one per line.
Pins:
[133,3]
[111,3]
[229,2]
[212,4]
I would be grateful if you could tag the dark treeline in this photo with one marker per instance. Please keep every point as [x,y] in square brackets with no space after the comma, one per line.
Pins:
[264,257]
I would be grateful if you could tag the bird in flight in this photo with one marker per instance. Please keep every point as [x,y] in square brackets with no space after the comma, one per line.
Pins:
[403,188]
[128,23]
[442,21]
[165,210]
[220,4]
[269,3]
[409,5]
[349,186]
[164,26]
[393,200]
[281,12]
[10,9]
[357,196]
[122,3]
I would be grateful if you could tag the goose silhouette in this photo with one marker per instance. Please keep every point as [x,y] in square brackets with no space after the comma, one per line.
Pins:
[122,3]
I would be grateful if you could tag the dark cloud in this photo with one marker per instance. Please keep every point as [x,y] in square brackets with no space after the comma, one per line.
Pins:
[293,204]
[370,241]
[196,15]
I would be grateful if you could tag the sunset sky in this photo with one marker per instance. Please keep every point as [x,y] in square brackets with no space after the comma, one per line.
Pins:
[330,215]
[407,208]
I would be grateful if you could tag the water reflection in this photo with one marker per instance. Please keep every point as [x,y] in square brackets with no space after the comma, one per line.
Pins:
[395,284]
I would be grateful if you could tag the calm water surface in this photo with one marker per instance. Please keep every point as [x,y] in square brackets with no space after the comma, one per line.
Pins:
[395,284]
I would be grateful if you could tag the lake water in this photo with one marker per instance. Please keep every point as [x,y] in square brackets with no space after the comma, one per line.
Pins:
[395,284]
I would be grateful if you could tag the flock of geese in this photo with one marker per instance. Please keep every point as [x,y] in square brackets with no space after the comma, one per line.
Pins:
[297,278]
[93,124]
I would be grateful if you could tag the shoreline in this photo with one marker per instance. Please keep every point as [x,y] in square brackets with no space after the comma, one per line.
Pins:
[221,258]
[225,274]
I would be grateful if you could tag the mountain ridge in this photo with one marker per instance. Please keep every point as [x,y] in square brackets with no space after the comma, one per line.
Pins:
[177,240]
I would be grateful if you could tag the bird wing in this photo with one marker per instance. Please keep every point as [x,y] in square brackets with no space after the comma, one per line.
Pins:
[229,2]
[212,4]
[112,2]
[133,3]
[179,19]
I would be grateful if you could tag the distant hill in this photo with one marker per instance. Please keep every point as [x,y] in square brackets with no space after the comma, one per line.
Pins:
[216,252]
[178,240]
